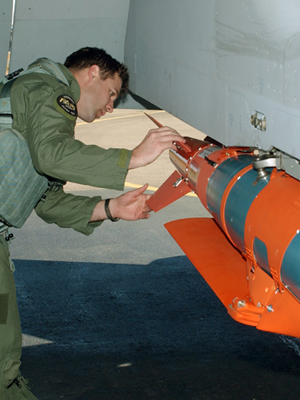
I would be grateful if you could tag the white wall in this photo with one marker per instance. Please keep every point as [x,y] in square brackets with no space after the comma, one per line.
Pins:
[5,22]
[214,63]
[56,28]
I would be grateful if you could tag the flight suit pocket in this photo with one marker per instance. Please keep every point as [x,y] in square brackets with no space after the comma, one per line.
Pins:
[3,308]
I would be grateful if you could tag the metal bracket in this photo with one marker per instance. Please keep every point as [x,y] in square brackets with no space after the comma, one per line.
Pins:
[178,182]
[263,162]
[258,121]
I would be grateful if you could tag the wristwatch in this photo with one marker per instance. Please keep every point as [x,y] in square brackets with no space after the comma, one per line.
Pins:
[107,211]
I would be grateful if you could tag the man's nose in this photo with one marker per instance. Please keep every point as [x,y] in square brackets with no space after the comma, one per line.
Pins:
[110,106]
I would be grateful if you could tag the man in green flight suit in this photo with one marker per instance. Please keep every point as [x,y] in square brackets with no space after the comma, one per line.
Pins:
[45,111]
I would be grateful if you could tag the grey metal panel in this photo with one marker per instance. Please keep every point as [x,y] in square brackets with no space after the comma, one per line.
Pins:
[214,63]
[5,23]
[56,28]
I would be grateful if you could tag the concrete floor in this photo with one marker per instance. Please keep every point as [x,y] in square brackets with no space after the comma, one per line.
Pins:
[123,314]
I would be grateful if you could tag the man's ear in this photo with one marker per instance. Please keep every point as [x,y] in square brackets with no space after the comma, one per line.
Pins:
[94,72]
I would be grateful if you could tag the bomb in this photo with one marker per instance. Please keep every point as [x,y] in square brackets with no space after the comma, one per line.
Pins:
[249,251]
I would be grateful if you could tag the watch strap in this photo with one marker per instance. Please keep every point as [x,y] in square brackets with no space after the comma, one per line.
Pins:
[107,211]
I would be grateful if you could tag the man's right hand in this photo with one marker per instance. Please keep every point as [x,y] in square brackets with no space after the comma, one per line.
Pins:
[155,142]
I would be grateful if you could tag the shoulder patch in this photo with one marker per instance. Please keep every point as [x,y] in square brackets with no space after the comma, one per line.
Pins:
[67,104]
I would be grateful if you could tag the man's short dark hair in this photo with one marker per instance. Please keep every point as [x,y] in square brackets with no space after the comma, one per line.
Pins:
[88,56]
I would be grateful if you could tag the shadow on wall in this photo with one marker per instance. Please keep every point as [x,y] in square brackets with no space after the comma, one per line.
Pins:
[131,100]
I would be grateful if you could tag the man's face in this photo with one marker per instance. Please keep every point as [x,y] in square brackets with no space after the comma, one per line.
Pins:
[98,96]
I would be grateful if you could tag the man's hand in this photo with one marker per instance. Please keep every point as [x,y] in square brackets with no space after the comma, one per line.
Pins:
[154,143]
[130,206]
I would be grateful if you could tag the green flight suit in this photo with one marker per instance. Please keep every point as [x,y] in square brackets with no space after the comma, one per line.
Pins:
[44,111]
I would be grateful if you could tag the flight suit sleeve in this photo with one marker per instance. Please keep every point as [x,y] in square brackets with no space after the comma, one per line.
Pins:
[68,211]
[50,123]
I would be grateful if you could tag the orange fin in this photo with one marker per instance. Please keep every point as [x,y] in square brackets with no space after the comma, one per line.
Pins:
[171,190]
